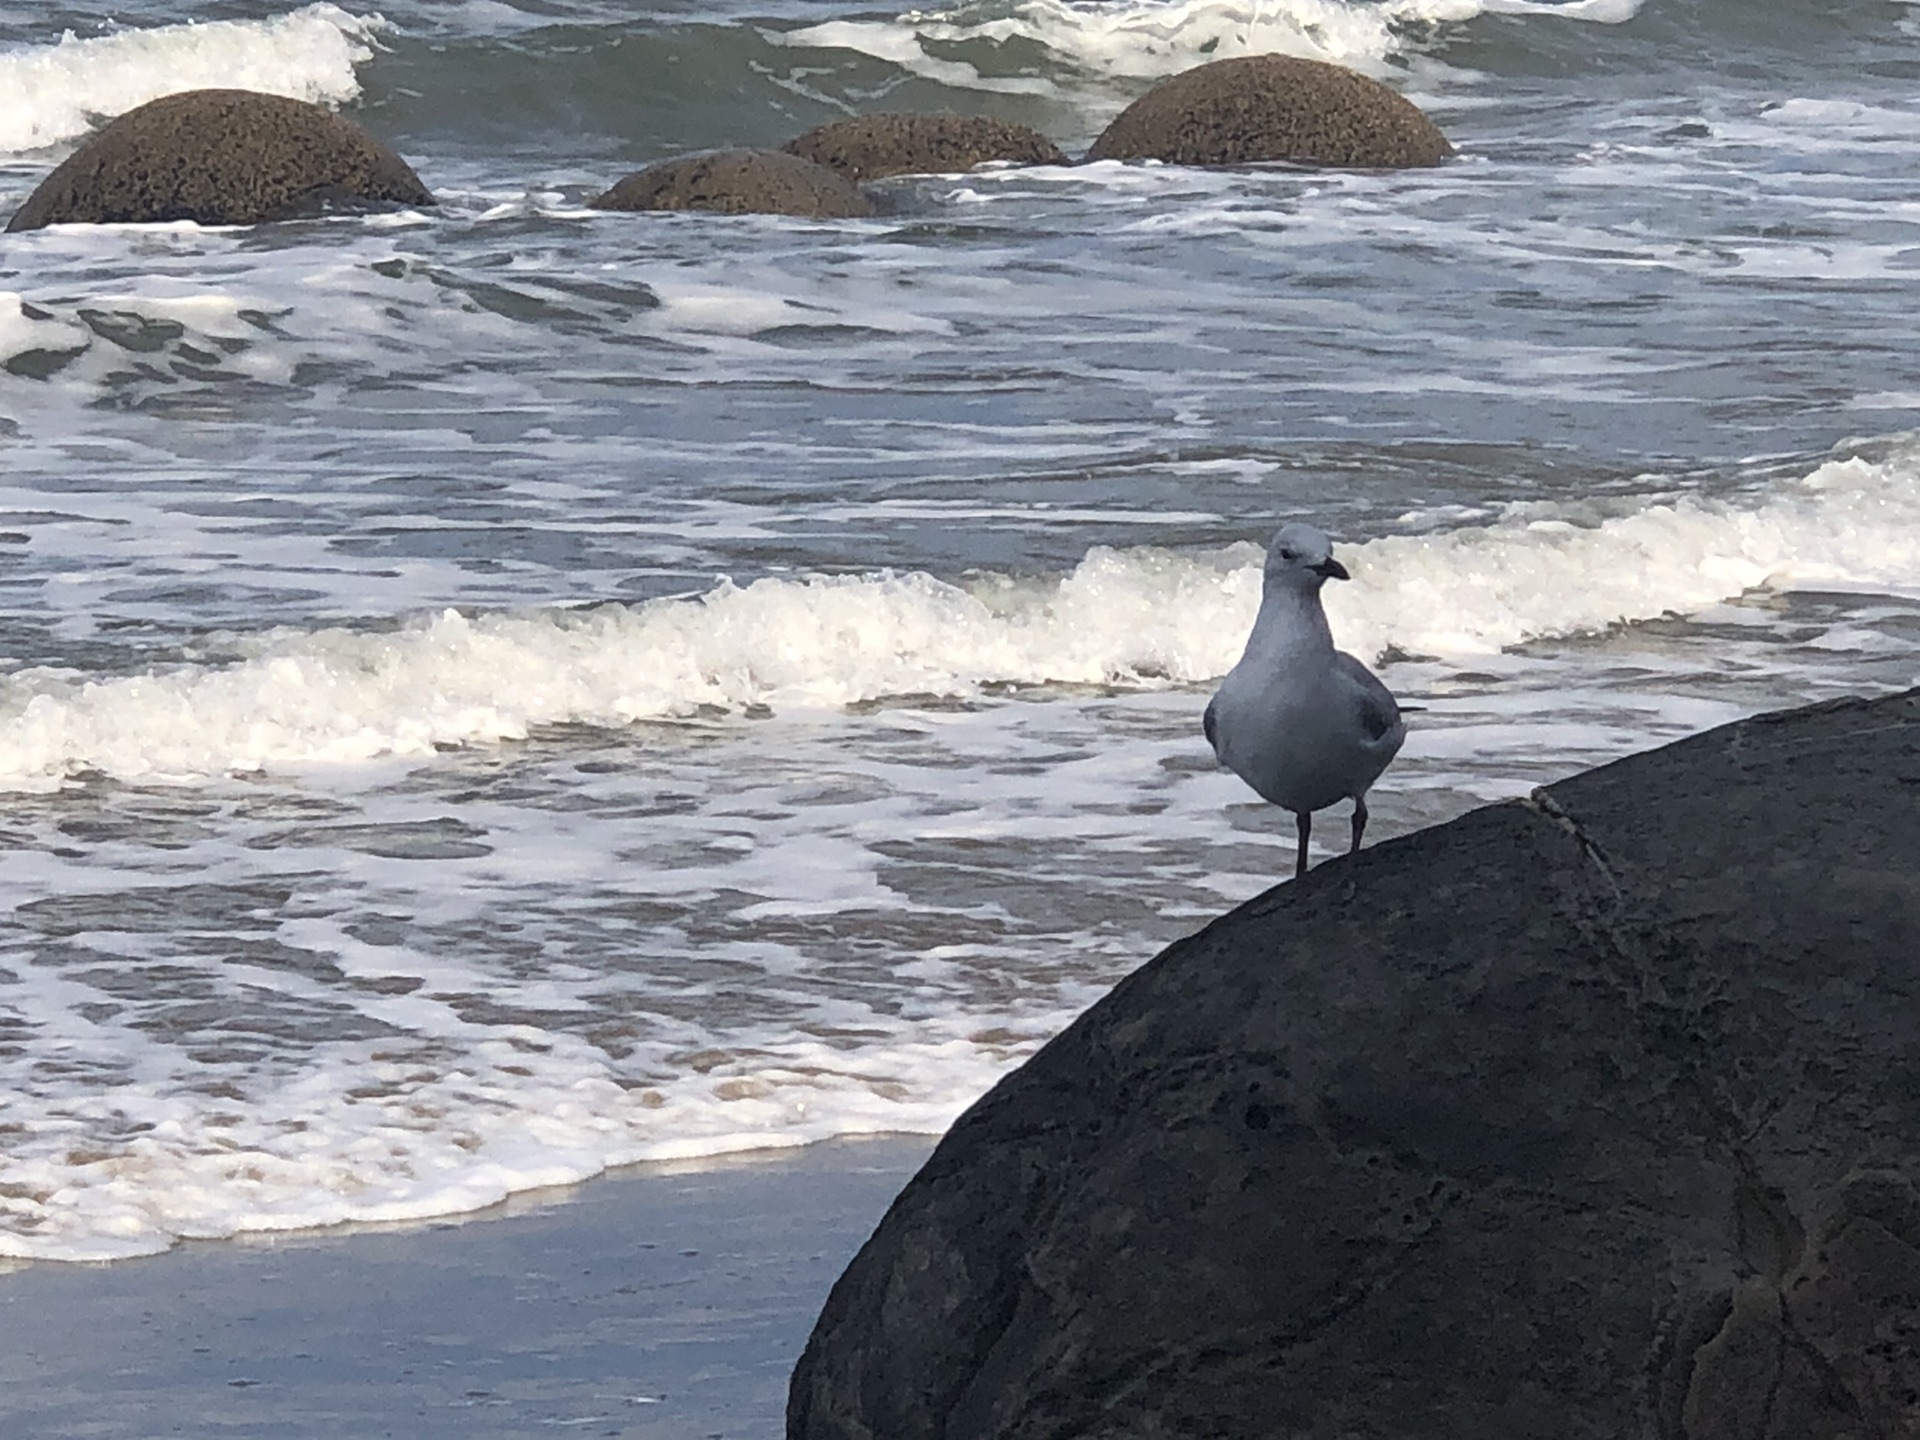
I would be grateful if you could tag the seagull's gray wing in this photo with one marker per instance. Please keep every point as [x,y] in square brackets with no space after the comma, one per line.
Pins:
[1379,711]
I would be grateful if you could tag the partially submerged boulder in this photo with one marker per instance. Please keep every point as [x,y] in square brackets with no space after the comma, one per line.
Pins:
[1588,1116]
[739,182]
[872,147]
[221,157]
[1261,108]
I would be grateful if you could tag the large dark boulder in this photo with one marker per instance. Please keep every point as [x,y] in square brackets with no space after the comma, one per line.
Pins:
[739,182]
[221,157]
[1262,108]
[1589,1117]
[872,147]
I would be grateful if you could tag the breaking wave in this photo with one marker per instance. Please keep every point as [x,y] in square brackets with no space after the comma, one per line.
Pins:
[1135,617]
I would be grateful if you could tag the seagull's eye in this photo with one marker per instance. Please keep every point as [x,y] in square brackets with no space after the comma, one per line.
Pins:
[1288,555]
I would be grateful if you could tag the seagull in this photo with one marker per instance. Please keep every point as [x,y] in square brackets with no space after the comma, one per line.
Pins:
[1304,724]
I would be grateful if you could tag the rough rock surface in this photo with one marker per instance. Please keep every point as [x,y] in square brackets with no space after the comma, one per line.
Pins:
[872,147]
[1591,1117]
[739,182]
[1827,1349]
[1273,107]
[221,157]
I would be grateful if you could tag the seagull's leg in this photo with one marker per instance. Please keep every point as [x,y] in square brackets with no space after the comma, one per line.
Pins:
[1359,821]
[1304,821]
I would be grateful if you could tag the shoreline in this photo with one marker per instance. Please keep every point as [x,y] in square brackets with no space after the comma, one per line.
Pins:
[668,1300]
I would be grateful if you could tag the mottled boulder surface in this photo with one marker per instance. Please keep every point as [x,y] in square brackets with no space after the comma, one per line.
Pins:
[872,147]
[1828,1348]
[738,182]
[1587,1117]
[221,157]
[1262,108]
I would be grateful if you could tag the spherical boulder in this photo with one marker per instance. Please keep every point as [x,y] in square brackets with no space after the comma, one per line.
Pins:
[739,182]
[872,147]
[221,157]
[1273,107]
[1587,1116]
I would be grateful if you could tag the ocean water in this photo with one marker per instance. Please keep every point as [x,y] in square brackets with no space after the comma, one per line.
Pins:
[499,691]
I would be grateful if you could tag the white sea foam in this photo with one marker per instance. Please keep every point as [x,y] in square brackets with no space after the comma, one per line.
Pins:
[1122,617]
[585,1041]
[1852,524]
[807,932]
[197,313]
[54,93]
[370,1139]
[1147,39]
[1598,12]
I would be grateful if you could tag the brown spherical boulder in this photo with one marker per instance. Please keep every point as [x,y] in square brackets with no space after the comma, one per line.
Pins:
[872,147]
[1273,107]
[739,182]
[221,157]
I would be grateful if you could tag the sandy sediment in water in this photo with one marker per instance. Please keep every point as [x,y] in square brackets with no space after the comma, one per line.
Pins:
[661,1301]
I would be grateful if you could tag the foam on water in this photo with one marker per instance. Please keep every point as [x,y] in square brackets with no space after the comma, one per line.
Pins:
[54,93]
[1138,617]
[615,957]
[1149,39]
[261,1005]
[1598,12]
[1852,524]
[370,1139]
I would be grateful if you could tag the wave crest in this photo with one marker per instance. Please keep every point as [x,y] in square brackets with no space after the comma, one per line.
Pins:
[979,46]
[1138,617]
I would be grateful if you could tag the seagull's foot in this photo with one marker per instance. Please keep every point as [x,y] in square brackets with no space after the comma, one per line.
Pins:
[1359,822]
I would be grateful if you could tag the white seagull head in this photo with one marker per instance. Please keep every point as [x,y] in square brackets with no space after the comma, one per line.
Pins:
[1301,558]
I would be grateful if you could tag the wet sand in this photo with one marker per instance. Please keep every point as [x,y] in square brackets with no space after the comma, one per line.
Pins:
[665,1302]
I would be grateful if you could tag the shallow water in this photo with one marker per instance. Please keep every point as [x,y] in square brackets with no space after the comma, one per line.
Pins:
[504,690]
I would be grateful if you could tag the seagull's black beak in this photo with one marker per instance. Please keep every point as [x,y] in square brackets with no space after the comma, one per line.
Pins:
[1331,569]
